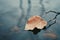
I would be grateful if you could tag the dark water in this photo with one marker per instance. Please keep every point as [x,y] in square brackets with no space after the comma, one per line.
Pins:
[16,13]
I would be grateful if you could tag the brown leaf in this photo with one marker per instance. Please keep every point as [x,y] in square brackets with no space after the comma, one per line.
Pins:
[51,35]
[35,21]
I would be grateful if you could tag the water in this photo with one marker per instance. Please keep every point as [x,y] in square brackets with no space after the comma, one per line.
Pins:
[10,16]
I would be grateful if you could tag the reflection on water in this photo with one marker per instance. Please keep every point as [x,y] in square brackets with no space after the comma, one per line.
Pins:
[16,12]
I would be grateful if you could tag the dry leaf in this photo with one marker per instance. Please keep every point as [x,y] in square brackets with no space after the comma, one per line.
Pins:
[35,21]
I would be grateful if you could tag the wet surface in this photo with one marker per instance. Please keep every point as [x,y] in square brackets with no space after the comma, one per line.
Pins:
[10,16]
